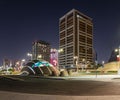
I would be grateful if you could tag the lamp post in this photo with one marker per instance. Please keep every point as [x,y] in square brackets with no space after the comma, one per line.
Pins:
[22,62]
[76,62]
[96,63]
[103,63]
[83,64]
[59,51]
[118,56]
[30,55]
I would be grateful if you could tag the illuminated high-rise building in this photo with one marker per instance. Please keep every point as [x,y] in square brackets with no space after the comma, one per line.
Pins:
[75,38]
[41,50]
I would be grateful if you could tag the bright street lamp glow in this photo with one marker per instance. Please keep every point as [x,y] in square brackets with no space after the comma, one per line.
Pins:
[60,50]
[29,54]
[75,57]
[118,56]
[23,60]
[83,59]
[116,50]
[103,62]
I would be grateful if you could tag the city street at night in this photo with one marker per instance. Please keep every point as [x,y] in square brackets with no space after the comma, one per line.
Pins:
[60,50]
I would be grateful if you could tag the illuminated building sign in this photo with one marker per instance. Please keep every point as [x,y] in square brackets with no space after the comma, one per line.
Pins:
[54,57]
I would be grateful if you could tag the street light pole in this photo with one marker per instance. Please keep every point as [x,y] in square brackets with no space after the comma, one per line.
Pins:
[118,56]
[76,62]
[119,60]
[30,55]
[59,51]
[22,62]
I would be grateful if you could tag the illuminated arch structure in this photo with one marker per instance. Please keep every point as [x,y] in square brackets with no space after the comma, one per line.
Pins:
[40,67]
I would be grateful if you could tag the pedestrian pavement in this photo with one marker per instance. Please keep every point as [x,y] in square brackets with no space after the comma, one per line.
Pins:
[24,96]
[89,77]
[4,95]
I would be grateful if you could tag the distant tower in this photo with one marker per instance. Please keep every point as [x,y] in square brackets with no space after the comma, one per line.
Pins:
[41,50]
[75,38]
[6,63]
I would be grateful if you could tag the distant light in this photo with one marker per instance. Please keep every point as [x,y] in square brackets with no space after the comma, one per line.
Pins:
[116,50]
[118,56]
[60,50]
[23,60]
[75,57]
[103,62]
[29,54]
[78,16]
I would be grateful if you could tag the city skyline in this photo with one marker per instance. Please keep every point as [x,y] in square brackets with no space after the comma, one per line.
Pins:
[22,22]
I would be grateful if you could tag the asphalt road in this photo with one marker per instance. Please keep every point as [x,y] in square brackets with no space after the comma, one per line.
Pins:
[37,85]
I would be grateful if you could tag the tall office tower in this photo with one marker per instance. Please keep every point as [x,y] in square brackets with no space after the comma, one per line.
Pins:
[41,50]
[75,38]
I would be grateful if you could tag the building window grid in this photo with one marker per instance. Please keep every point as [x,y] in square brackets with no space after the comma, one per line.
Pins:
[62,35]
[70,31]
[82,43]
[62,21]
[89,51]
[62,61]
[69,27]
[89,29]
[90,35]
[89,45]
[69,44]
[62,42]
[83,33]
[69,49]
[69,20]
[61,57]
[89,41]
[70,58]
[70,54]
[82,38]
[62,26]
[69,61]
[69,23]
[70,39]
[82,26]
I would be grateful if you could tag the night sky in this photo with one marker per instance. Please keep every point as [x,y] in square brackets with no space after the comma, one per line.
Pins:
[22,22]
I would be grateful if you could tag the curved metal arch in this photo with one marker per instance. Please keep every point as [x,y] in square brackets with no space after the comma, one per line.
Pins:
[31,69]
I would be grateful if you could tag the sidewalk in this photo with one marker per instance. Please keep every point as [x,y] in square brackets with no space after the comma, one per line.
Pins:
[23,96]
[89,77]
